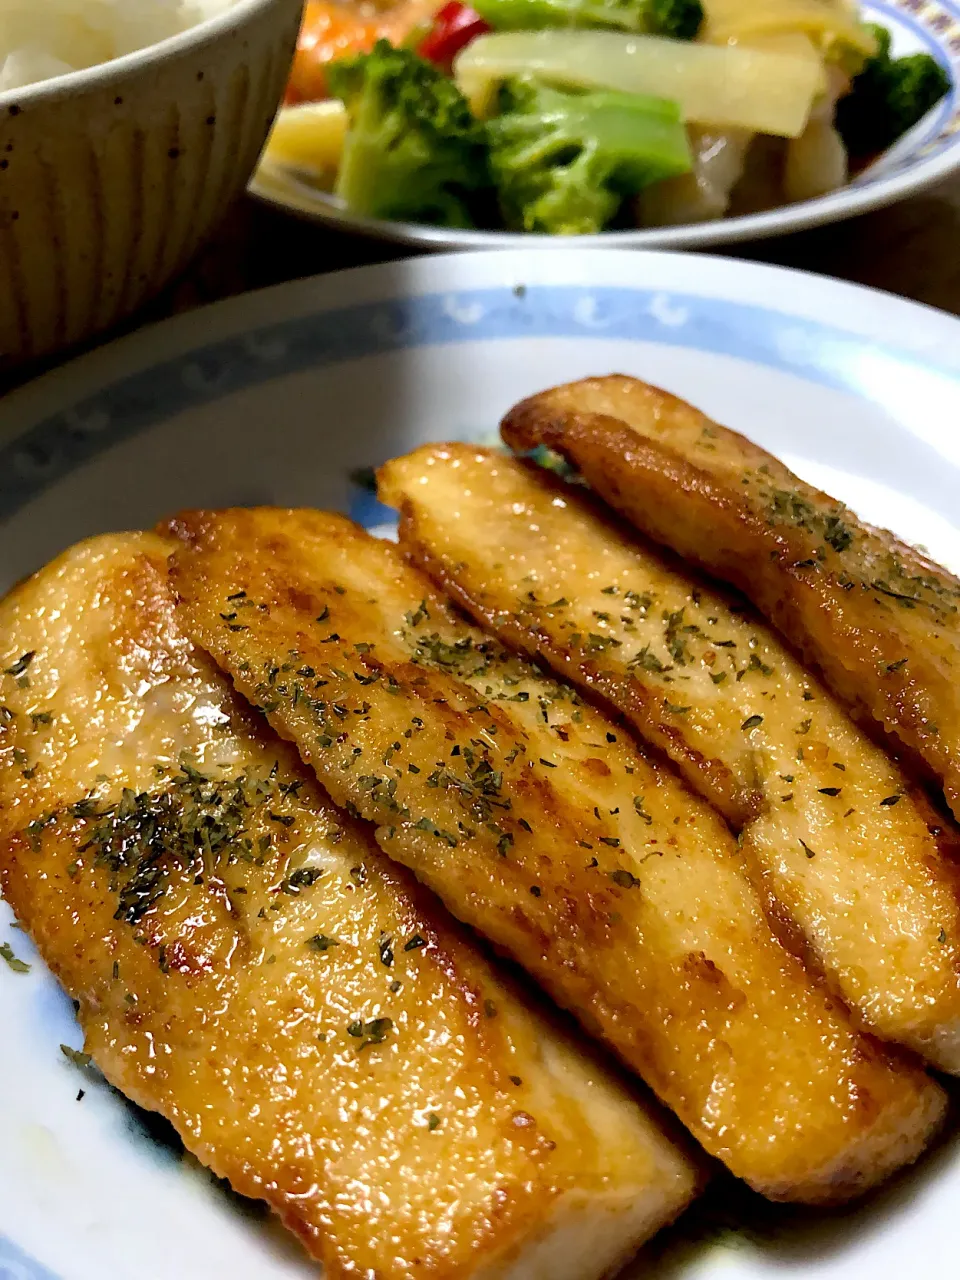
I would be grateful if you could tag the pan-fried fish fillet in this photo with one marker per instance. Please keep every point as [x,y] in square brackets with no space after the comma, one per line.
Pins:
[878,619]
[541,824]
[829,823]
[249,964]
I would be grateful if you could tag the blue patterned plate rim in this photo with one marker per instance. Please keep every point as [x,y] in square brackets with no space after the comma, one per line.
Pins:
[76,413]
[533,304]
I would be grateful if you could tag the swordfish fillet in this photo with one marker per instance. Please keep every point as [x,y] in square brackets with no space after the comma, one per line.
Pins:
[878,619]
[249,964]
[542,825]
[829,824]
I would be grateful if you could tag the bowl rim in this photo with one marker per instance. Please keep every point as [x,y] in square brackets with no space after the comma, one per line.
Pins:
[271,185]
[15,101]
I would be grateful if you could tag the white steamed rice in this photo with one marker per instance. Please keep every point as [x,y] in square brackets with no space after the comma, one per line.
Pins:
[40,39]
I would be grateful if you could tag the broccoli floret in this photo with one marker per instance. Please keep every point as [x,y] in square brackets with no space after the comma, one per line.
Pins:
[681,19]
[883,39]
[563,163]
[678,18]
[888,97]
[413,151]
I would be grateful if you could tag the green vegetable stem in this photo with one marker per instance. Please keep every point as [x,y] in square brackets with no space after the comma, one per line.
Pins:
[678,18]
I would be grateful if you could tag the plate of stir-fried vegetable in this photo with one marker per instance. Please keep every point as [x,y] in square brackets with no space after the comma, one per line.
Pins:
[670,122]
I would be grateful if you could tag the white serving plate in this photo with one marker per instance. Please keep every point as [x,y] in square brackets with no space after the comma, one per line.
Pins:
[922,157]
[278,397]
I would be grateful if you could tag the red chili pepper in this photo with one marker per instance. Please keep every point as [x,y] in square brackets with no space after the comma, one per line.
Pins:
[454,26]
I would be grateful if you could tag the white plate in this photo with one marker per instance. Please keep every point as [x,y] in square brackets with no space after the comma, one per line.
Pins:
[925,155]
[278,397]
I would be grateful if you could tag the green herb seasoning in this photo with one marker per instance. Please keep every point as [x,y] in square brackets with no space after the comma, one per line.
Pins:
[21,664]
[647,661]
[78,1059]
[18,966]
[419,615]
[673,637]
[370,1033]
[299,880]
[641,811]
[785,506]
[321,942]
[624,879]
[35,828]
[194,825]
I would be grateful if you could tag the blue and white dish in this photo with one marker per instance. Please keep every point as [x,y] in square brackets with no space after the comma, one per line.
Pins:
[287,397]
[923,157]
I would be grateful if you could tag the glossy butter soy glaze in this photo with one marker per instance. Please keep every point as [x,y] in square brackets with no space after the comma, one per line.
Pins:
[539,822]
[249,964]
[835,834]
[879,620]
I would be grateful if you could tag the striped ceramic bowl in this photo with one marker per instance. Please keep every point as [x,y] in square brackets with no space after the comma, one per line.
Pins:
[111,177]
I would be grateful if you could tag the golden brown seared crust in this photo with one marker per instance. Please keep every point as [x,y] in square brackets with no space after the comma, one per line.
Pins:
[53,726]
[541,565]
[878,619]
[540,823]
[829,823]
[312,1022]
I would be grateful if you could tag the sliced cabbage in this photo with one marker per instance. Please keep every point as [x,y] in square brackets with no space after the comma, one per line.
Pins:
[816,163]
[723,87]
[833,27]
